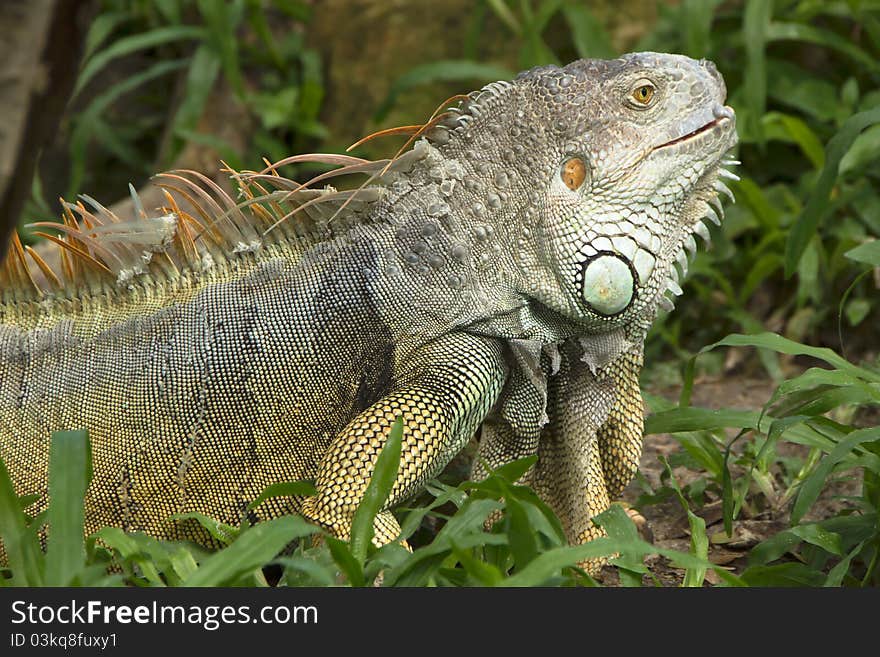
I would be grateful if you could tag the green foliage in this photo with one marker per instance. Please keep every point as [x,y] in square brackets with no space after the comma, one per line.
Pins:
[65,561]
[800,74]
[798,412]
[149,71]
[439,71]
[525,547]
[818,202]
[699,541]
[377,492]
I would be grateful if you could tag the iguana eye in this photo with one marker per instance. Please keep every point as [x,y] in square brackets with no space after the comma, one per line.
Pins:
[574,172]
[643,94]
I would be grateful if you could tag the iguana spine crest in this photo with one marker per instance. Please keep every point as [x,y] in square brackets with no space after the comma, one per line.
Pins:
[97,243]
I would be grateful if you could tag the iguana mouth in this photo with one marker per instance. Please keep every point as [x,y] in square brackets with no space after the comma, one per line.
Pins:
[694,133]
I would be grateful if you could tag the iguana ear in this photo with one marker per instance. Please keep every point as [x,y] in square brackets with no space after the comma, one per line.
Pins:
[575,173]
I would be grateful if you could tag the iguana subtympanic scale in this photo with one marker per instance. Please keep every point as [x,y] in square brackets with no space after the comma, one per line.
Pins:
[503,272]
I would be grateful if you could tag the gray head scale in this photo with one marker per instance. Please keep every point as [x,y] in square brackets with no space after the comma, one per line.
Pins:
[619,160]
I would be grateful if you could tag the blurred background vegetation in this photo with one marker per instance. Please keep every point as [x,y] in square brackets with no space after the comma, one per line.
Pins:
[185,83]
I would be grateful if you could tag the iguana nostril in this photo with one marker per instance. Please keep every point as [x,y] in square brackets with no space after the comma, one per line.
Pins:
[608,284]
[722,112]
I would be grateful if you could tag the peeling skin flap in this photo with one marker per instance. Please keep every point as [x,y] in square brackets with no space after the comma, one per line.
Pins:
[527,354]
[603,348]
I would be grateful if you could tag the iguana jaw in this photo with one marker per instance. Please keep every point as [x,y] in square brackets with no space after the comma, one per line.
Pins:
[696,132]
[723,122]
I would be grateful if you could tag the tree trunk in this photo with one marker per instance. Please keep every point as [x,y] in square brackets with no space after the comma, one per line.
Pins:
[41,45]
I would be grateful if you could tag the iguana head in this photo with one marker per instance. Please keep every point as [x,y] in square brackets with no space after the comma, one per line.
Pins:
[619,160]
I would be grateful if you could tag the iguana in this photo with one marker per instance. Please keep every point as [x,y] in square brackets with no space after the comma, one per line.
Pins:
[501,273]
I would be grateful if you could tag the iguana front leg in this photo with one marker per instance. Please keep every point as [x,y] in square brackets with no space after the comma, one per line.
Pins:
[590,449]
[620,438]
[585,427]
[569,473]
[442,394]
[513,429]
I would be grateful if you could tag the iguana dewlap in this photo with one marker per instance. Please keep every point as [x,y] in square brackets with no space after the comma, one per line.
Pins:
[501,274]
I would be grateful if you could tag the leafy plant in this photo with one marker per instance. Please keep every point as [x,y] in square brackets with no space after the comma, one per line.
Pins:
[795,71]
[525,547]
[142,57]
[797,412]
[64,562]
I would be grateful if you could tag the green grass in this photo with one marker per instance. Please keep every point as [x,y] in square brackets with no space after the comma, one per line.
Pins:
[526,547]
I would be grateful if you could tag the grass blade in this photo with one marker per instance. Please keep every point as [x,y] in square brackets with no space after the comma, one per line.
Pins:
[819,201]
[548,564]
[523,541]
[813,484]
[756,20]
[348,564]
[779,31]
[693,577]
[128,45]
[785,574]
[796,129]
[697,16]
[699,419]
[130,551]
[378,490]
[253,549]
[621,529]
[868,253]
[786,346]
[84,125]
[221,532]
[70,471]
[445,70]
[284,489]
[836,574]
[464,529]
[588,34]
[23,554]
[502,11]
[101,28]
[221,20]
[203,70]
